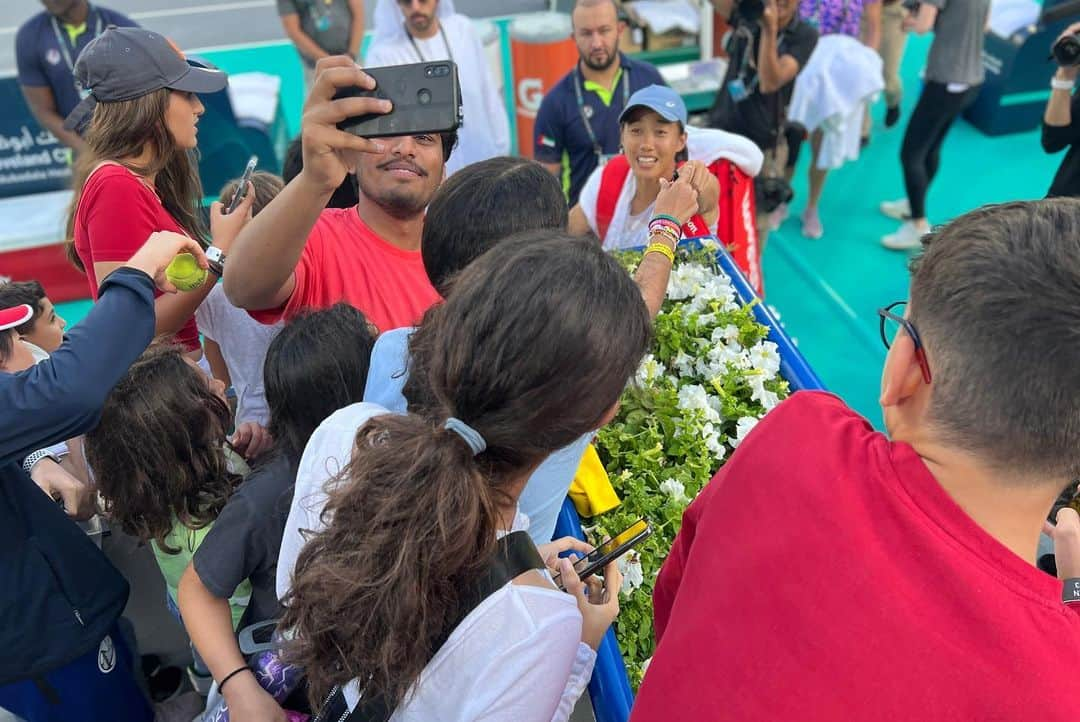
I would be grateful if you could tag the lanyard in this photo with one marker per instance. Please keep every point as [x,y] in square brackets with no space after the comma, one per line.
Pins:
[580,81]
[63,43]
[417,47]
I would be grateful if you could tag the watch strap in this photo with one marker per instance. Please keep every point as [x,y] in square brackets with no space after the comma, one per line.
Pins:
[34,458]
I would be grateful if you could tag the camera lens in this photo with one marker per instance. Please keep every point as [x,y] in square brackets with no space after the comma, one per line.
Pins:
[424,96]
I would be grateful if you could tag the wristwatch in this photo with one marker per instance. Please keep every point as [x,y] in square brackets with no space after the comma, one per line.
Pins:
[28,462]
[1061,84]
[217,260]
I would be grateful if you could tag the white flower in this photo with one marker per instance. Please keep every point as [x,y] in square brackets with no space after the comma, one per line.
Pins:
[645,665]
[742,428]
[713,443]
[684,363]
[695,398]
[649,370]
[633,575]
[762,395]
[764,357]
[674,489]
[728,334]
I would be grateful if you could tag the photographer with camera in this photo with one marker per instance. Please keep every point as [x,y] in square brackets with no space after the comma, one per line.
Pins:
[1058,130]
[768,47]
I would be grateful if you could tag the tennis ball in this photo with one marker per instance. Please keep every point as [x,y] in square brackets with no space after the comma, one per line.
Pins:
[184,272]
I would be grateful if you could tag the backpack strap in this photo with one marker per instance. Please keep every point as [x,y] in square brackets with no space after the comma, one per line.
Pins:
[515,554]
[612,178]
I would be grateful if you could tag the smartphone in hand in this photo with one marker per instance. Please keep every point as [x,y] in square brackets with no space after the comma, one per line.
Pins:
[426,98]
[242,189]
[611,549]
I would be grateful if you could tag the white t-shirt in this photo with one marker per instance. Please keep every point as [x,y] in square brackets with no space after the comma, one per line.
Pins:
[485,128]
[517,656]
[703,144]
[243,342]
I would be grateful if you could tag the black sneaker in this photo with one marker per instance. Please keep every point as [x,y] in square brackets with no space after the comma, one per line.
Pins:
[892,115]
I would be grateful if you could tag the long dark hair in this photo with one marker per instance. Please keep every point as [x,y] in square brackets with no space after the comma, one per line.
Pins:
[533,347]
[118,132]
[158,454]
[316,365]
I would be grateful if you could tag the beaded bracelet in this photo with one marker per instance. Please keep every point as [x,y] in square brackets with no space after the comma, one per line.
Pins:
[666,233]
[662,249]
[665,223]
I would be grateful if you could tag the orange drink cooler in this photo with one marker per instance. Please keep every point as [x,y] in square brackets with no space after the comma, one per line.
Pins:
[543,52]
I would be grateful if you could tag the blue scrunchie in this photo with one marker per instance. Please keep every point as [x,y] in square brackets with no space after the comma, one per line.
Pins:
[471,436]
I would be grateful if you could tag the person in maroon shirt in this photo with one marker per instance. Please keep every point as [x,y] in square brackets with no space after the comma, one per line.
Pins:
[830,573]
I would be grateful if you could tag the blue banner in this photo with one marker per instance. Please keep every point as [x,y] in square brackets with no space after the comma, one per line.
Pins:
[32,160]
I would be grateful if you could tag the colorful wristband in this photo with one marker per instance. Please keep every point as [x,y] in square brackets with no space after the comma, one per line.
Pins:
[663,250]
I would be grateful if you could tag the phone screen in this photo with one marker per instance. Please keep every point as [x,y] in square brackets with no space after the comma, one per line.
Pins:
[611,547]
[242,186]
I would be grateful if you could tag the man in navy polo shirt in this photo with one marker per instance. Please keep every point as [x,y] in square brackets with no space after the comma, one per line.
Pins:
[46,48]
[577,126]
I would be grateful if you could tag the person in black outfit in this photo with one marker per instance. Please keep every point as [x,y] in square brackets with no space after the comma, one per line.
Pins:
[765,57]
[62,597]
[1060,129]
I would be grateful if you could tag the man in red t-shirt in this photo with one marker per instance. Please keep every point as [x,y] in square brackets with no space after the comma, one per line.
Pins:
[297,254]
[831,574]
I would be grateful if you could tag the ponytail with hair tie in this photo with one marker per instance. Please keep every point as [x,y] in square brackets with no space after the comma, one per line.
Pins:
[469,435]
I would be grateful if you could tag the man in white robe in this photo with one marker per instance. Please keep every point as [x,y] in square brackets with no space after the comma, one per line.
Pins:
[413,31]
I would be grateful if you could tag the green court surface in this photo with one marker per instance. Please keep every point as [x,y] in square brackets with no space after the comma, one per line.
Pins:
[828,291]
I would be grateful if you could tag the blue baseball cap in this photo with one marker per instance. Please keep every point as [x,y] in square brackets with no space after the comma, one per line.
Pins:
[127,63]
[661,99]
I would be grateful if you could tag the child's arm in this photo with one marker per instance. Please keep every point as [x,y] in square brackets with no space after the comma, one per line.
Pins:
[209,624]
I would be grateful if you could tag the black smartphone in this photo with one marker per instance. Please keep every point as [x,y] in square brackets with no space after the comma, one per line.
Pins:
[613,548]
[426,99]
[242,188]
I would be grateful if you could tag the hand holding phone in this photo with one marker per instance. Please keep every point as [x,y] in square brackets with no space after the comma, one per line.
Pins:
[609,551]
[331,153]
[597,599]
[243,185]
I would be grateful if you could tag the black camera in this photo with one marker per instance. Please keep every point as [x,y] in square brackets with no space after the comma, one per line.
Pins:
[750,10]
[1066,51]
[771,193]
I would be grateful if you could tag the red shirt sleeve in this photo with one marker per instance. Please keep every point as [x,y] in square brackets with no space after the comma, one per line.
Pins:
[120,215]
[308,289]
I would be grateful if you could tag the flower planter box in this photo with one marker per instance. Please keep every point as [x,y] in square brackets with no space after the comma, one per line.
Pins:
[720,361]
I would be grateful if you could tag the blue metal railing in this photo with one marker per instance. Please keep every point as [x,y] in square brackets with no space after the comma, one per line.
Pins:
[609,688]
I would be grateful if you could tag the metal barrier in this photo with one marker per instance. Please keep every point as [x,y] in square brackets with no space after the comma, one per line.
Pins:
[609,688]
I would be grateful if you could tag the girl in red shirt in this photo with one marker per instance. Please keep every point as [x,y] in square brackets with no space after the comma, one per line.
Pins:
[138,174]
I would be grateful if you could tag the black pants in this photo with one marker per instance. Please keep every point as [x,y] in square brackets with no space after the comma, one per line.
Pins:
[930,122]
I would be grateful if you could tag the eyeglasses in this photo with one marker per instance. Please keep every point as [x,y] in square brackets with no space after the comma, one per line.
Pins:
[892,320]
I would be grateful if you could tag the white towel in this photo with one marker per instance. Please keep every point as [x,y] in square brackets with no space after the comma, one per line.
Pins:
[831,93]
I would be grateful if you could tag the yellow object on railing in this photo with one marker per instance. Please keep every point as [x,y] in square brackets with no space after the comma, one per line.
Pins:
[591,491]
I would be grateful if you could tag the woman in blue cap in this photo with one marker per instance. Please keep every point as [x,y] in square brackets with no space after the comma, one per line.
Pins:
[140,118]
[617,201]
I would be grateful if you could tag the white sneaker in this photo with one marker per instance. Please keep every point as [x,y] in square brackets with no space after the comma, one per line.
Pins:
[899,210]
[907,237]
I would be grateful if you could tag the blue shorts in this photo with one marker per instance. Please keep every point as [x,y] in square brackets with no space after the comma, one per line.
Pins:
[99,686]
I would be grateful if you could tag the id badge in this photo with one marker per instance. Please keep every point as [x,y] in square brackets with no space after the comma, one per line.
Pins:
[737,88]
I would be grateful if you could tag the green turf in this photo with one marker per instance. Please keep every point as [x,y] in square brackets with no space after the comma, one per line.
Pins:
[828,291]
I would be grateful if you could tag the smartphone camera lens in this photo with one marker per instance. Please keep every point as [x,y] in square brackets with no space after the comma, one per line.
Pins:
[429,71]
[424,96]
